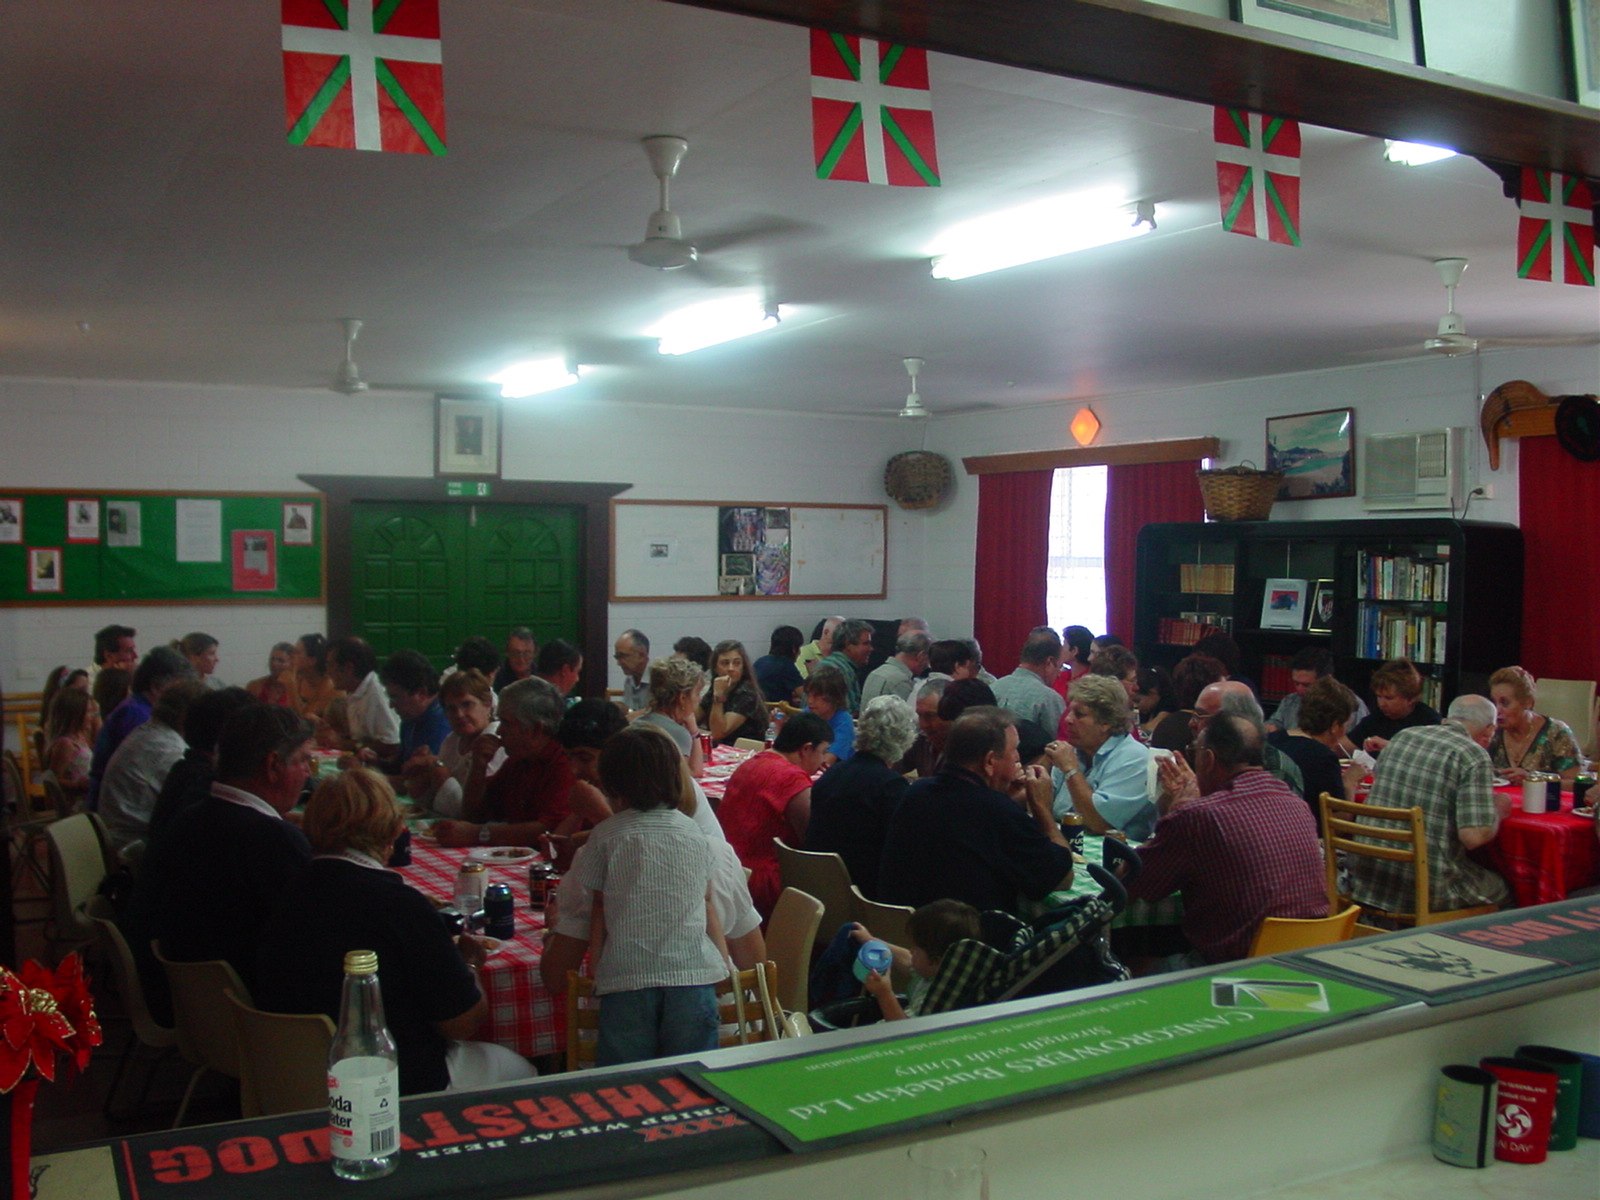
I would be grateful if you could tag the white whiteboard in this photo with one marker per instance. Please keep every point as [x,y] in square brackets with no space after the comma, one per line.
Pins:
[667,550]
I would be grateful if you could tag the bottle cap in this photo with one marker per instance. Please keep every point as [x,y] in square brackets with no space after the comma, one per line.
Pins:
[361,962]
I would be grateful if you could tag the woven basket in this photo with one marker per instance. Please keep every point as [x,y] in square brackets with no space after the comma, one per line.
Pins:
[917,478]
[1239,493]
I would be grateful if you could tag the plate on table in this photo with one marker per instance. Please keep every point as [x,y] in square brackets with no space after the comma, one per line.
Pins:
[1499,781]
[503,856]
[1583,810]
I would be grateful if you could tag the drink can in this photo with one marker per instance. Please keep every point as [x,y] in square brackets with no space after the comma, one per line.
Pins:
[1072,830]
[1552,796]
[1580,789]
[499,912]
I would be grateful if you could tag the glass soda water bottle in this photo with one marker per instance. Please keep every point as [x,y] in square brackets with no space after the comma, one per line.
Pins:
[363,1078]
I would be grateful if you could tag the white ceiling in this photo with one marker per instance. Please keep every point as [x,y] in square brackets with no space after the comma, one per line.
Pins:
[148,190]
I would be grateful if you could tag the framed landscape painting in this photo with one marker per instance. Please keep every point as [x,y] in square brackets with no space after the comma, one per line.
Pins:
[1583,49]
[1387,28]
[1316,452]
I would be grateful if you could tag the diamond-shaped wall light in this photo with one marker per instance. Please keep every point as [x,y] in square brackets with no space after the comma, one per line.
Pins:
[1085,426]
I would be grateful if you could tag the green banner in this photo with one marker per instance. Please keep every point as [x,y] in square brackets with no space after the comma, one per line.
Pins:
[831,1097]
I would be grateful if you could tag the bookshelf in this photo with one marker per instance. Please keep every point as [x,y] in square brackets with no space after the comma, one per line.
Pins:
[1446,594]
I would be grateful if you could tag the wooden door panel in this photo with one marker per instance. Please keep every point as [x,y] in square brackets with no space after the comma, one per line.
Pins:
[407,577]
[525,569]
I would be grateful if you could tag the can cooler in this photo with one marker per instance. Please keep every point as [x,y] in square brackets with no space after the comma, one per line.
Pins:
[1464,1116]
[1527,1101]
[1569,1087]
[1589,1097]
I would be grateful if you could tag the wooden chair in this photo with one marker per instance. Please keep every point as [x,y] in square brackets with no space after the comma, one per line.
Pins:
[791,933]
[80,859]
[888,923]
[1402,839]
[208,1035]
[747,1002]
[821,875]
[1572,701]
[283,1057]
[1278,935]
[147,1031]
[749,744]
[583,1021]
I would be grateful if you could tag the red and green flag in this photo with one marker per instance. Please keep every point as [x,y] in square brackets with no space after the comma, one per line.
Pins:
[1555,233]
[1258,174]
[871,112]
[364,75]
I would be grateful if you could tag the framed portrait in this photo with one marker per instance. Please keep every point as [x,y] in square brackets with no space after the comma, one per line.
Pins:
[1319,617]
[1283,604]
[1387,28]
[466,437]
[83,519]
[1316,452]
[1582,21]
[299,524]
[11,520]
[44,569]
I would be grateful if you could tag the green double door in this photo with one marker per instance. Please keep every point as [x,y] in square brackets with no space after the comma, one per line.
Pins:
[427,576]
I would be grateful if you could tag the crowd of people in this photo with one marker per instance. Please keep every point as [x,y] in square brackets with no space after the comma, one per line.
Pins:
[942,788]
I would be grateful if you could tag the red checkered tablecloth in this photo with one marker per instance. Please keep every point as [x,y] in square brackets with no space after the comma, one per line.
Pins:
[522,1014]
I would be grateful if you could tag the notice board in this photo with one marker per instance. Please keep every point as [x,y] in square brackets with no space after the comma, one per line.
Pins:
[747,550]
[63,547]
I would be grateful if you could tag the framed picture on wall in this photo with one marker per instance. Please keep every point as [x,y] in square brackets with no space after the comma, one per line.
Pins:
[466,437]
[1582,21]
[1316,451]
[1319,617]
[44,569]
[1387,28]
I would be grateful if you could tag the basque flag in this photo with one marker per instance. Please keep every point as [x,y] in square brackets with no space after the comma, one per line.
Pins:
[871,112]
[364,74]
[1555,234]
[1258,174]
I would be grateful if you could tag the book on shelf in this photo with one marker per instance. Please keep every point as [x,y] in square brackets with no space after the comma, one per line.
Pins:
[1277,680]
[1206,578]
[1172,631]
[1401,577]
[1401,633]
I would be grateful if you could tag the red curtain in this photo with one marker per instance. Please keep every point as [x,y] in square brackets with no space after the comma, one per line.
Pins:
[1136,496]
[1560,502]
[1013,558]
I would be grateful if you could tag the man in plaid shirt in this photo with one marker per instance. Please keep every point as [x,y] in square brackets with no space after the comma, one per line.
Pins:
[1235,841]
[1445,771]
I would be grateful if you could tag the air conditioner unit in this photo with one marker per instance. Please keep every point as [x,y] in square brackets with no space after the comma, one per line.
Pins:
[1413,470]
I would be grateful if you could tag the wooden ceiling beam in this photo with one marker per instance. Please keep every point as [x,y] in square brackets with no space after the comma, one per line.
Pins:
[1161,50]
[1176,450]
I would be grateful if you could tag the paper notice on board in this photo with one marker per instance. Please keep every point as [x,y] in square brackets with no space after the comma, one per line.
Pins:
[123,524]
[199,531]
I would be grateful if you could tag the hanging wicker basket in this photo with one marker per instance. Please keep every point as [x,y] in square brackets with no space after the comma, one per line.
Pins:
[1239,493]
[917,478]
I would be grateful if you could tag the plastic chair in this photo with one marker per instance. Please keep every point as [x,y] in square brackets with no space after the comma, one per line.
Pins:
[748,744]
[208,1036]
[888,923]
[791,932]
[1401,839]
[147,1031]
[821,875]
[56,794]
[1572,701]
[283,1057]
[79,862]
[1278,935]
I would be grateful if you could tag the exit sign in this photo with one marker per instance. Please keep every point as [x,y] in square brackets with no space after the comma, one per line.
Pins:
[461,487]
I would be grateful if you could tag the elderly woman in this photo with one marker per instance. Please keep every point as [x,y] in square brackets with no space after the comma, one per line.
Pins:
[1115,791]
[852,803]
[1396,686]
[440,782]
[1523,740]
[1316,743]
[733,708]
[676,685]
[345,900]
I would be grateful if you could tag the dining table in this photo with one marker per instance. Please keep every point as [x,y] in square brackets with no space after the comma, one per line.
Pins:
[1543,856]
[523,1015]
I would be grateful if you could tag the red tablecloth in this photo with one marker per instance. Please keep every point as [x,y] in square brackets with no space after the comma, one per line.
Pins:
[522,1014]
[724,761]
[1543,856]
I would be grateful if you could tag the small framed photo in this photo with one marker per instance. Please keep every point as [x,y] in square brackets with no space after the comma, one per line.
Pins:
[11,521]
[1387,28]
[83,520]
[299,524]
[1319,618]
[1283,605]
[467,437]
[1583,49]
[44,569]
[1316,451]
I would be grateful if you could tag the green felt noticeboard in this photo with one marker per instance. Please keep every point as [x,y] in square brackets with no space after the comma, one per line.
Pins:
[90,547]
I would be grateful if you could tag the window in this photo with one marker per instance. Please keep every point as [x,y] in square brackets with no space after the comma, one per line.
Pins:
[1075,586]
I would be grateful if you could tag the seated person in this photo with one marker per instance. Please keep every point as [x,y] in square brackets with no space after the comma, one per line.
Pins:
[277,685]
[1121,664]
[560,664]
[1315,744]
[828,697]
[696,650]
[1305,668]
[1193,674]
[768,797]
[137,770]
[159,670]
[676,685]
[440,783]
[931,930]
[1153,699]
[371,727]
[1395,686]
[189,782]
[432,1001]
[776,672]
[529,795]
[1523,739]
[733,708]
[852,803]
[1115,791]
[71,727]
[411,686]
[927,752]
[948,659]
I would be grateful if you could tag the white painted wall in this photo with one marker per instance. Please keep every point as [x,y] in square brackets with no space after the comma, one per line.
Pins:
[1513,43]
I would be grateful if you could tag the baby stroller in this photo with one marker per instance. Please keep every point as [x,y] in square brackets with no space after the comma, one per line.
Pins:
[1062,949]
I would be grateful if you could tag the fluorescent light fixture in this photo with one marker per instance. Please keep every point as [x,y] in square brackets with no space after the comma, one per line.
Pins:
[712,322]
[533,376]
[1414,154]
[1042,229]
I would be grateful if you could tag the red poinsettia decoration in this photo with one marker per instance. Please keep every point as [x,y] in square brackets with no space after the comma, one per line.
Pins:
[41,1012]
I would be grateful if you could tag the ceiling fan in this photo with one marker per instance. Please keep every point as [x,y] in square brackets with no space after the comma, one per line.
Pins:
[913,406]
[347,379]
